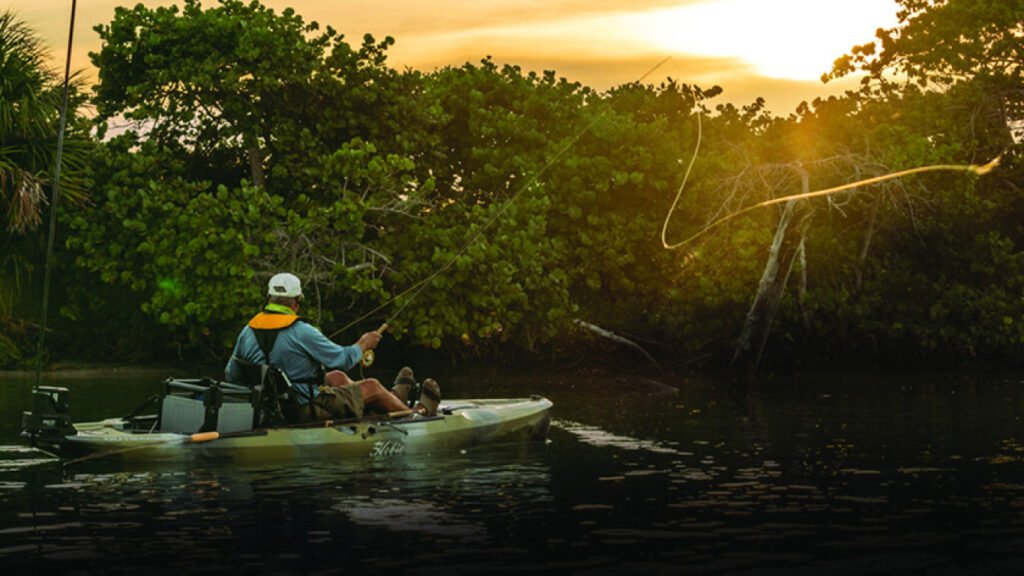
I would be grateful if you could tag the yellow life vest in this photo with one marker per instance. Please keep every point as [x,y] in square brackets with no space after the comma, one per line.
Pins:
[272,321]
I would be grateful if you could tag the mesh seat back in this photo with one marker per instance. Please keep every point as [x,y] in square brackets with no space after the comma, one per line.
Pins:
[273,396]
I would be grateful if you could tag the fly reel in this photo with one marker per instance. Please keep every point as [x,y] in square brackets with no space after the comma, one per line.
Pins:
[369,356]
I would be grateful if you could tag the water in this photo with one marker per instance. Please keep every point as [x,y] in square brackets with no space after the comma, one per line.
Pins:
[824,474]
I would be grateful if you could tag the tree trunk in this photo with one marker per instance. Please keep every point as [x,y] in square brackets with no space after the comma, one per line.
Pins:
[255,161]
[801,287]
[785,248]
[868,234]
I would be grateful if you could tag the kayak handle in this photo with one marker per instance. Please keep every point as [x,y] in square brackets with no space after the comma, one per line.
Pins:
[201,437]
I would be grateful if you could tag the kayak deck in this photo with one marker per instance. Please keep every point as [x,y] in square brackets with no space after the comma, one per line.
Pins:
[458,424]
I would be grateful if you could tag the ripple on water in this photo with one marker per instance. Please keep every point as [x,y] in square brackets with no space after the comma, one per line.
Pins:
[410,516]
[40,528]
[777,485]
[598,437]
[15,458]
[16,449]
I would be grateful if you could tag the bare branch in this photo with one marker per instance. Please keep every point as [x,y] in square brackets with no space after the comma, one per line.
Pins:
[616,338]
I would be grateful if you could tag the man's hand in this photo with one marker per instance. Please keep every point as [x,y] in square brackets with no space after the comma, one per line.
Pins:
[368,341]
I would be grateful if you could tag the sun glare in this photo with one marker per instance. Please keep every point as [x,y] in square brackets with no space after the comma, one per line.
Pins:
[789,39]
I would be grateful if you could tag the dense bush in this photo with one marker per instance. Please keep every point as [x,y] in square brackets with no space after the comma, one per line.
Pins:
[481,210]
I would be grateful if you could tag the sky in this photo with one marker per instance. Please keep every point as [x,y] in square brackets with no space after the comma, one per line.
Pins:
[775,49]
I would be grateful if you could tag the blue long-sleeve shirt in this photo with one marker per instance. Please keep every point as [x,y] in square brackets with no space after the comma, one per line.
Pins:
[299,351]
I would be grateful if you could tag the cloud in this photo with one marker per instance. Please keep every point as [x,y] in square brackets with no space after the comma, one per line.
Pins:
[600,43]
[603,73]
[403,17]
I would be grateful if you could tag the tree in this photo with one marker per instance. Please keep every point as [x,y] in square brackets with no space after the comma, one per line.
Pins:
[29,110]
[245,91]
[943,44]
[491,207]
[946,85]
[206,79]
[30,103]
[232,93]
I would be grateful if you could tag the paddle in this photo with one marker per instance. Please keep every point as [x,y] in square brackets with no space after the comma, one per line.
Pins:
[197,438]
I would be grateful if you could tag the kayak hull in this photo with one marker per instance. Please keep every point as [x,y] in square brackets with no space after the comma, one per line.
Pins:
[459,424]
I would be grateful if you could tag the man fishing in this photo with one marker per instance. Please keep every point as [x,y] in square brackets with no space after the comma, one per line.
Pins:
[278,336]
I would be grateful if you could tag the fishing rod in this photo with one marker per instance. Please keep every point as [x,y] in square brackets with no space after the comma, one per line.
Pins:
[52,232]
[416,288]
[55,197]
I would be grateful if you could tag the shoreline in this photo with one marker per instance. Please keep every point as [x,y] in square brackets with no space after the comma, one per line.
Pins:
[115,369]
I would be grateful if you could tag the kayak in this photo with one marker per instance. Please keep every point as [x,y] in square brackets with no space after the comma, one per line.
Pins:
[189,425]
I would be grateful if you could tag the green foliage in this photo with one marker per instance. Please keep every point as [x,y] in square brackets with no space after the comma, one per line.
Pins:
[950,44]
[246,91]
[27,101]
[200,76]
[503,284]
[495,206]
[10,351]
[919,270]
[943,42]
[196,256]
[30,104]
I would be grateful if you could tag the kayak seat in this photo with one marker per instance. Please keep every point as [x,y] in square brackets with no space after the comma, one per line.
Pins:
[273,394]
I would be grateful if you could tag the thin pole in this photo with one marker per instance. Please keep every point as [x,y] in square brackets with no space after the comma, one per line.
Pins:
[55,197]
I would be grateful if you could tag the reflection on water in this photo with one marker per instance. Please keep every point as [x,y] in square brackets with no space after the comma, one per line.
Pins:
[597,437]
[841,474]
[402,516]
[15,457]
[273,518]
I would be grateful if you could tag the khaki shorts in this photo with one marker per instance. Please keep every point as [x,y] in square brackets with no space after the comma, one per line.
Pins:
[336,403]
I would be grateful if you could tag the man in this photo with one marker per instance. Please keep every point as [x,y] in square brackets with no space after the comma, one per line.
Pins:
[280,337]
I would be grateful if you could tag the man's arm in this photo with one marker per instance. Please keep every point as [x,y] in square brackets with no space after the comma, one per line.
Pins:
[333,356]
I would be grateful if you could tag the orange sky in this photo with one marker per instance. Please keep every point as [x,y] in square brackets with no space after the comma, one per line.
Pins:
[775,49]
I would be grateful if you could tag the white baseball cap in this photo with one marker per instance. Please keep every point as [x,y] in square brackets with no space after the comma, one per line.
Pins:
[284,284]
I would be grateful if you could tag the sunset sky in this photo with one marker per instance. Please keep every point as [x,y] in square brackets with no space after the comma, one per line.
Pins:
[776,49]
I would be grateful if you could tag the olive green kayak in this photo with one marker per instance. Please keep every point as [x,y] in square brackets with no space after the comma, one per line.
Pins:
[182,430]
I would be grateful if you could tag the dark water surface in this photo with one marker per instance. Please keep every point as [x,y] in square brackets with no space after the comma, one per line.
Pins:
[825,474]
